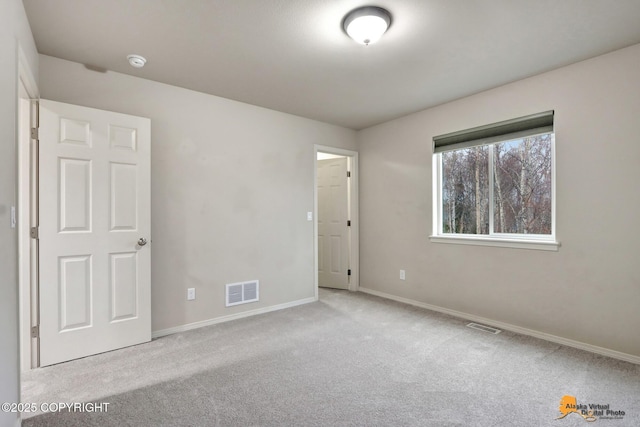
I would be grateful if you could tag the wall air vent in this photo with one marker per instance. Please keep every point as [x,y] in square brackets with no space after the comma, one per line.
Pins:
[242,292]
[484,328]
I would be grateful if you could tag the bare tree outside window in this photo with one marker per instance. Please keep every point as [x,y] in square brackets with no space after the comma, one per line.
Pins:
[521,195]
[522,182]
[465,191]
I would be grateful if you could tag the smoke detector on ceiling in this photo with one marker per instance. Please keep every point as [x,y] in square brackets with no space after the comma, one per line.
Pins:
[136,61]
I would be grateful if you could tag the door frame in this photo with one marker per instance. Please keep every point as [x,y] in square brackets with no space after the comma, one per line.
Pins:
[354,252]
[27,215]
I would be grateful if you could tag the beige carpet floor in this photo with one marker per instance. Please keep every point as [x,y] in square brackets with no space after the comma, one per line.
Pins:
[350,359]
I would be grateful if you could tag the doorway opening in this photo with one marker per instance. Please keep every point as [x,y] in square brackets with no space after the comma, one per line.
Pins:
[336,218]
[90,178]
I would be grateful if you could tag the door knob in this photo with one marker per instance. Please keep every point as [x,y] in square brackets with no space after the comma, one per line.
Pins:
[142,241]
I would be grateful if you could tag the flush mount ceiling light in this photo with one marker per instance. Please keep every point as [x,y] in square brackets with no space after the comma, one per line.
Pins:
[367,24]
[136,61]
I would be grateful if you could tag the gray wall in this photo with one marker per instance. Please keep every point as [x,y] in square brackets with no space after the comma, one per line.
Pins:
[231,186]
[14,32]
[589,290]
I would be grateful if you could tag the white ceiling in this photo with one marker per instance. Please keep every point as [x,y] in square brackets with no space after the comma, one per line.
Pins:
[292,55]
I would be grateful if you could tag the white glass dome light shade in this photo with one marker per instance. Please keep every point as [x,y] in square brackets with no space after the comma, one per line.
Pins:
[367,24]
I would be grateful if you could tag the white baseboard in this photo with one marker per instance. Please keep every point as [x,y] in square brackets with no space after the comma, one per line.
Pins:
[513,328]
[195,325]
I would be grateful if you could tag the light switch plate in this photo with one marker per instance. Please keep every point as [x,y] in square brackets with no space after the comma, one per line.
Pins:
[309,216]
[191,294]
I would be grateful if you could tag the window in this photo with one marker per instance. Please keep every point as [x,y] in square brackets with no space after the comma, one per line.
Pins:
[494,184]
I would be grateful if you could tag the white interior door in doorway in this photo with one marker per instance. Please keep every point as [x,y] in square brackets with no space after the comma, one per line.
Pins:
[94,225]
[333,217]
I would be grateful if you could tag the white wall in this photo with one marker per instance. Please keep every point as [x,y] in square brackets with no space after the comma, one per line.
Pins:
[14,33]
[589,290]
[231,186]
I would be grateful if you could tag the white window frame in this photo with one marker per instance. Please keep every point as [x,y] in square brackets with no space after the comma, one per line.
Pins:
[545,242]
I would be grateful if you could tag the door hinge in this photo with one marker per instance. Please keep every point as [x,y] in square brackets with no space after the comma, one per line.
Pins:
[349,272]
[348,174]
[349,223]
[35,233]
[35,331]
[34,133]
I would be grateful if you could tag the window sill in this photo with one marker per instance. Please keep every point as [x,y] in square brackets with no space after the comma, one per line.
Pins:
[540,245]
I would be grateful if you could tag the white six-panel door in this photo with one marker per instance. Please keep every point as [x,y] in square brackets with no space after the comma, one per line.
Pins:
[94,207]
[333,214]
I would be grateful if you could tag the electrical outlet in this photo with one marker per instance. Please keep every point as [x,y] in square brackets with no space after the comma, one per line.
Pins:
[402,275]
[191,294]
